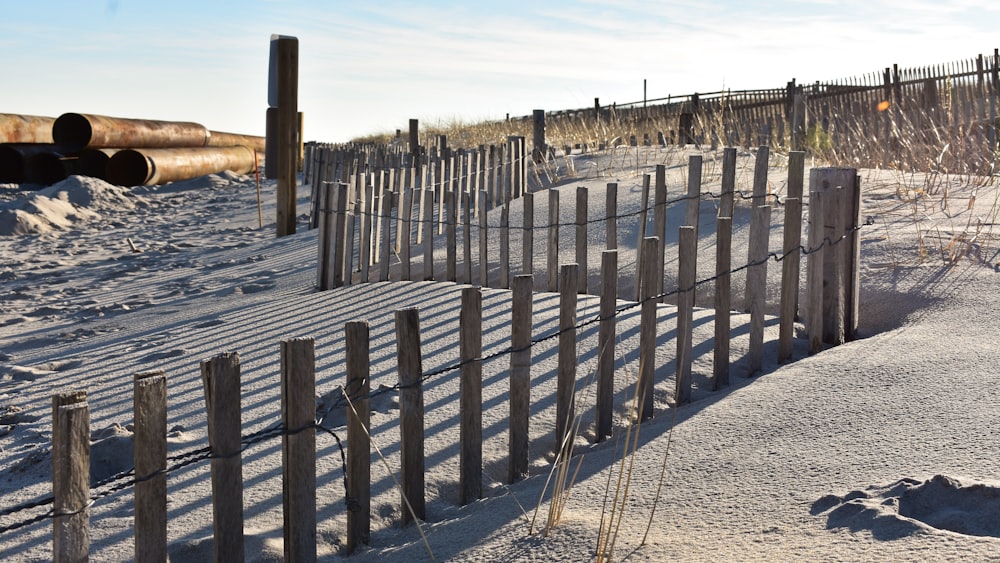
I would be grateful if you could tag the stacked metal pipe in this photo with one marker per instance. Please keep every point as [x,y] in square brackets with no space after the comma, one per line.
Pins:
[128,152]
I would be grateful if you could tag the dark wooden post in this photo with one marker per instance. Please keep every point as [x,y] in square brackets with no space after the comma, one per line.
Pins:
[540,150]
[581,239]
[451,230]
[566,377]
[790,266]
[150,439]
[723,301]
[385,239]
[471,406]
[520,376]
[221,379]
[71,477]
[643,218]
[411,415]
[611,213]
[357,388]
[528,234]
[647,329]
[659,228]
[484,253]
[553,246]
[298,448]
[505,246]
[415,143]
[686,276]
[341,238]
[286,50]
[759,199]
[814,271]
[606,343]
[760,224]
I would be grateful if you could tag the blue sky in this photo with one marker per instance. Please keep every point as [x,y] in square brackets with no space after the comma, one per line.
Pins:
[369,66]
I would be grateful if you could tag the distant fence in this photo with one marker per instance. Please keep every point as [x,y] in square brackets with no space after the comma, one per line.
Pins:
[830,311]
[939,118]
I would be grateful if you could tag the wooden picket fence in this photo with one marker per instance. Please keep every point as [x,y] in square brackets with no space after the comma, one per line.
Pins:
[831,318]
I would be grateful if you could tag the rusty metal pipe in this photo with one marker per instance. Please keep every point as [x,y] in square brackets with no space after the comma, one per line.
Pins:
[47,168]
[14,159]
[94,162]
[16,128]
[135,167]
[220,139]
[77,131]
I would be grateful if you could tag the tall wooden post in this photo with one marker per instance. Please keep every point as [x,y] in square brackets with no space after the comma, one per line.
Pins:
[221,378]
[539,150]
[356,343]
[298,448]
[581,239]
[792,240]
[471,391]
[286,51]
[566,377]
[686,275]
[606,343]
[647,329]
[415,143]
[520,376]
[411,415]
[71,477]
[150,439]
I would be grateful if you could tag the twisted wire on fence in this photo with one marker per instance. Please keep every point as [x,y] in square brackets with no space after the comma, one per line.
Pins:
[126,479]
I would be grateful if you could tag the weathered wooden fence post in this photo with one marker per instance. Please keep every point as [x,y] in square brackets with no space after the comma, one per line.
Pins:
[606,343]
[760,224]
[385,239]
[693,204]
[643,218]
[814,271]
[427,220]
[505,246]
[647,328]
[221,379]
[759,199]
[341,238]
[150,451]
[406,231]
[686,276]
[581,239]
[660,227]
[325,237]
[467,237]
[415,143]
[484,240]
[553,246]
[411,415]
[792,240]
[528,234]
[298,448]
[723,262]
[357,389]
[70,477]
[841,206]
[566,376]
[471,405]
[539,151]
[520,376]
[611,215]
[451,230]
[723,301]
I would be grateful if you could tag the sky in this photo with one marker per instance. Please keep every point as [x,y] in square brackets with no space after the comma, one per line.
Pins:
[369,66]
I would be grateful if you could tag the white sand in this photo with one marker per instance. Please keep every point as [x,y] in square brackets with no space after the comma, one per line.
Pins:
[832,457]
